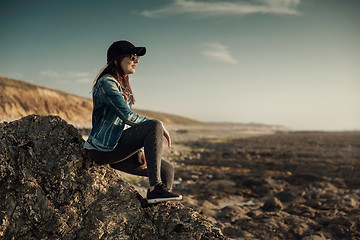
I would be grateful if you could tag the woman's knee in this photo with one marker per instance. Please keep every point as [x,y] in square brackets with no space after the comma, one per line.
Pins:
[155,125]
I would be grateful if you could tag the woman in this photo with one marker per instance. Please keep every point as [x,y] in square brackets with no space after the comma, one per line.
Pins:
[110,143]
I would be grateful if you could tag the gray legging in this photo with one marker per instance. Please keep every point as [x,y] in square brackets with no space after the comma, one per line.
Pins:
[148,134]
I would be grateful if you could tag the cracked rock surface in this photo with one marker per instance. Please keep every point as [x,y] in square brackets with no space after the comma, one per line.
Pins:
[51,190]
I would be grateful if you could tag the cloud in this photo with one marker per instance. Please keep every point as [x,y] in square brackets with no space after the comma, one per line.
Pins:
[225,8]
[81,77]
[67,77]
[84,80]
[218,52]
[50,73]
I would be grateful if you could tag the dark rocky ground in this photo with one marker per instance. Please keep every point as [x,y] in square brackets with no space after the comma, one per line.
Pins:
[295,185]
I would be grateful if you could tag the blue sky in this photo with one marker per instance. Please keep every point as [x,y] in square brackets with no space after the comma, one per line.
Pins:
[288,62]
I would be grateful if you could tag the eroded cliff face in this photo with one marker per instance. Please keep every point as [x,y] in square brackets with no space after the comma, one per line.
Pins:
[51,190]
[19,99]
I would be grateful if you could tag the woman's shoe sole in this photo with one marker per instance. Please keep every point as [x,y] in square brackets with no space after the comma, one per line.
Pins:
[156,200]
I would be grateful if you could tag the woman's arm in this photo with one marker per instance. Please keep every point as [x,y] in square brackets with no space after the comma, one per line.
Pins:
[113,98]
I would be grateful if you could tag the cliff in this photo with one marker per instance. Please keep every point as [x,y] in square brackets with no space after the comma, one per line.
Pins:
[51,190]
[19,99]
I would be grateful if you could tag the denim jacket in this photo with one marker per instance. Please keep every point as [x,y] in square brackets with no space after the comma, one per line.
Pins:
[110,114]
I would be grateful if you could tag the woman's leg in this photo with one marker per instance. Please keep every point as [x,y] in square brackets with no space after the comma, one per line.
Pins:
[161,192]
[167,174]
[148,134]
[131,165]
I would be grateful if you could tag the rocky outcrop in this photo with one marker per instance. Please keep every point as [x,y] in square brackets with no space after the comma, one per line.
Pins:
[51,190]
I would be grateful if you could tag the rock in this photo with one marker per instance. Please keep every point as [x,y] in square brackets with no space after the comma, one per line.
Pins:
[255,213]
[220,184]
[232,231]
[350,201]
[301,210]
[299,225]
[208,209]
[286,196]
[299,179]
[315,203]
[257,186]
[51,190]
[341,226]
[269,225]
[316,236]
[232,213]
[273,204]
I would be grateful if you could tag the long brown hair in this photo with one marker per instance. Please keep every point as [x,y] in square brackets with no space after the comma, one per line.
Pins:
[114,69]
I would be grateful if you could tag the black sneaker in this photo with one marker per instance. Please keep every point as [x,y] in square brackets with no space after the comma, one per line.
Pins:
[161,194]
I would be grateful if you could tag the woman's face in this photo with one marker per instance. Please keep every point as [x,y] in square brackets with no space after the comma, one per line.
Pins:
[128,64]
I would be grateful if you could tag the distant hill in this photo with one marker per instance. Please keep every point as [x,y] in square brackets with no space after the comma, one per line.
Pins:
[167,118]
[19,99]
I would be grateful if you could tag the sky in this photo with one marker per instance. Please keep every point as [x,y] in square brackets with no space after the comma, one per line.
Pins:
[280,62]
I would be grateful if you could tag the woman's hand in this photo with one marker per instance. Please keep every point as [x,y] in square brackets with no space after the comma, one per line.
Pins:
[167,136]
[142,160]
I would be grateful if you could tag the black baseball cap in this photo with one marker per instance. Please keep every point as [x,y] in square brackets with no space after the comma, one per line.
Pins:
[123,47]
